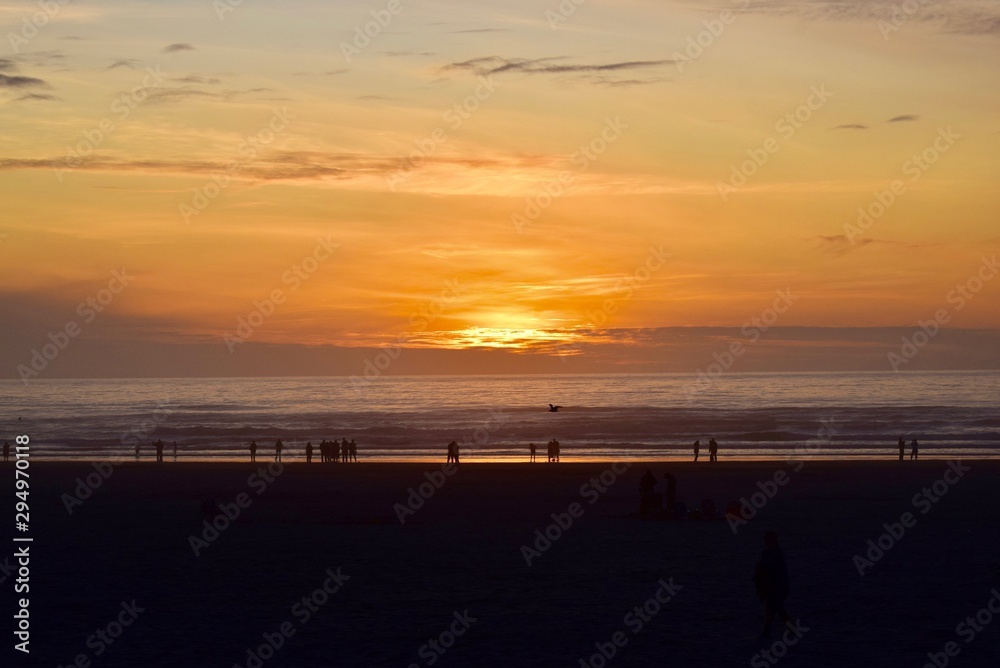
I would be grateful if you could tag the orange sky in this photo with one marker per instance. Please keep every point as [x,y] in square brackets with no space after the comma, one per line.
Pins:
[404,191]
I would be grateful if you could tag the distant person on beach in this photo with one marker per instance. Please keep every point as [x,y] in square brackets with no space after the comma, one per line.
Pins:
[345,451]
[914,449]
[309,452]
[713,451]
[278,447]
[671,492]
[771,580]
[456,452]
[6,450]
[548,451]
[697,449]
[353,450]
[159,450]
[531,449]
[452,450]
[902,448]
[555,450]
[253,451]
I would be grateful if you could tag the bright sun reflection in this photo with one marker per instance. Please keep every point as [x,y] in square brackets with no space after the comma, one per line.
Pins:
[552,340]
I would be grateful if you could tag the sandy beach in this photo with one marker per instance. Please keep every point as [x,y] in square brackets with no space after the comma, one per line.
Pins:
[404,564]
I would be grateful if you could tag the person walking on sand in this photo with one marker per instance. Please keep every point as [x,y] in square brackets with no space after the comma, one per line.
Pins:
[253,451]
[697,449]
[771,580]
[914,449]
[278,447]
[6,451]
[531,449]
[713,451]
[309,452]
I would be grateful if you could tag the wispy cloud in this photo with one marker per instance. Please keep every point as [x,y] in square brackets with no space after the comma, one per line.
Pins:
[20,82]
[601,74]
[851,126]
[904,118]
[36,97]
[178,46]
[130,63]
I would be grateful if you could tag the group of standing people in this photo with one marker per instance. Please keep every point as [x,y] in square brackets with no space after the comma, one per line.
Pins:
[713,450]
[329,451]
[552,447]
[332,451]
[914,448]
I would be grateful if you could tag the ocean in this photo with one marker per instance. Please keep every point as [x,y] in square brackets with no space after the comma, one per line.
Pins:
[397,418]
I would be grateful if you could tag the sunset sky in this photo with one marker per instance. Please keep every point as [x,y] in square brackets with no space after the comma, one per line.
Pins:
[397,189]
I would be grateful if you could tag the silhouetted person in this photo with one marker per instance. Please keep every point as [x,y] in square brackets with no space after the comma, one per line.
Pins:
[159,450]
[324,451]
[452,452]
[6,451]
[671,492]
[648,498]
[345,451]
[713,451]
[697,449]
[309,452]
[771,579]
[278,447]
[531,448]
[914,449]
[555,449]
[353,450]
[456,452]
[548,451]
[554,409]
[253,451]
[902,448]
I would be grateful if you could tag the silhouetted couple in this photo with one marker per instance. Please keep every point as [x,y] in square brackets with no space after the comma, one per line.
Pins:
[650,502]
[553,448]
[713,450]
[453,452]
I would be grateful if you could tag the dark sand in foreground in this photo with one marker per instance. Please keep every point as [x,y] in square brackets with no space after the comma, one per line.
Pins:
[462,551]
